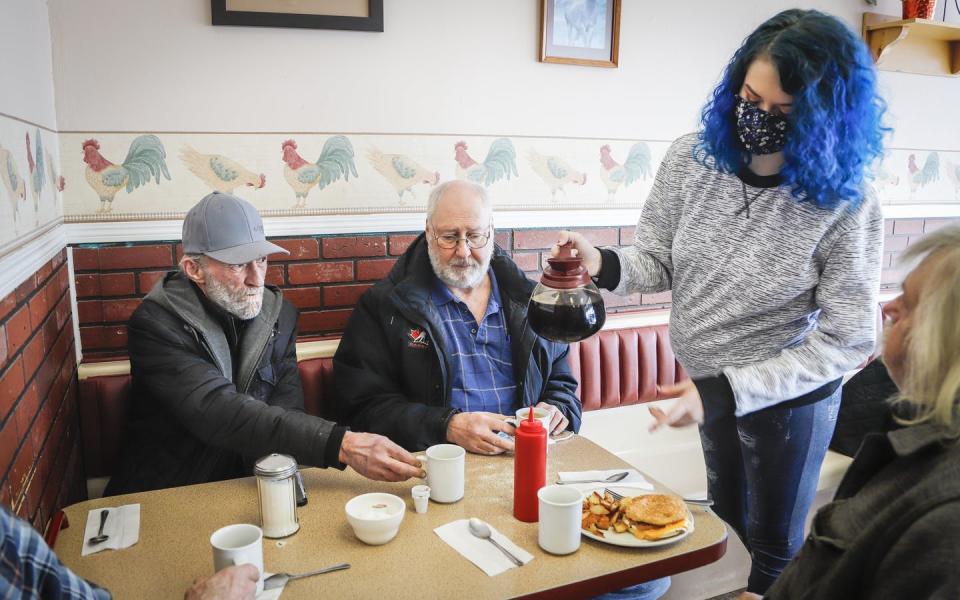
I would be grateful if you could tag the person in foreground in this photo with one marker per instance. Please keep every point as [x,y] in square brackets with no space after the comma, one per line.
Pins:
[893,529]
[215,378]
[762,227]
[30,569]
[440,351]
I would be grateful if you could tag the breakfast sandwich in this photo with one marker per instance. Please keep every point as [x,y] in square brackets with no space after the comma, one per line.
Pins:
[648,517]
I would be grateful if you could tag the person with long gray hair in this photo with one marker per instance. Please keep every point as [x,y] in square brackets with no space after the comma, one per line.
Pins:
[893,529]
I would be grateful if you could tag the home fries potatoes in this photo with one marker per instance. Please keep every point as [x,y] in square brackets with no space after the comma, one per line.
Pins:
[648,517]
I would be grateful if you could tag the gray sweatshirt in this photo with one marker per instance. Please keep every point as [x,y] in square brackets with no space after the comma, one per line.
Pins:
[780,296]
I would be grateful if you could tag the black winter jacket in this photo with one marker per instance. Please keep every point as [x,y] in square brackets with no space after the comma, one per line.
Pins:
[391,366]
[203,410]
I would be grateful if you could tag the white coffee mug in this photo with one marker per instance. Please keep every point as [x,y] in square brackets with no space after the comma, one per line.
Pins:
[560,507]
[238,544]
[540,414]
[444,466]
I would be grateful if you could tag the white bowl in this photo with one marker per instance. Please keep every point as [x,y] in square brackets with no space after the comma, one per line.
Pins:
[376,517]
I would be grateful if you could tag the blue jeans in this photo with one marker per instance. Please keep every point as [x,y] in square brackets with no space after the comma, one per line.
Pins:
[762,472]
[649,590]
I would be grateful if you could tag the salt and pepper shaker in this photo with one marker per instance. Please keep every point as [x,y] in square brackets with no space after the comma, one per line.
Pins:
[529,468]
[276,485]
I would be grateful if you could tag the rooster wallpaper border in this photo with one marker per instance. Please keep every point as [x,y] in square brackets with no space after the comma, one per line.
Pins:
[31,183]
[145,176]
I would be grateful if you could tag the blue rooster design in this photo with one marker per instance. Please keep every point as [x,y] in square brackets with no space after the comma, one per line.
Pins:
[501,162]
[637,166]
[336,161]
[145,161]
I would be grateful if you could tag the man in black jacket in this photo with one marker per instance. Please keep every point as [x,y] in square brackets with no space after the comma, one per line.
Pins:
[215,378]
[440,351]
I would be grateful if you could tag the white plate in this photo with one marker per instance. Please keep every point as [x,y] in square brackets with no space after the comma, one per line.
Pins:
[626,538]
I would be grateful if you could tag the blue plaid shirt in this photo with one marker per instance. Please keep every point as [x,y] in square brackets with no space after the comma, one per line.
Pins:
[30,569]
[480,359]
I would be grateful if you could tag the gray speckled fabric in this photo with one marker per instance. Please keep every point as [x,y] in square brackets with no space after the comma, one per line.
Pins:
[781,298]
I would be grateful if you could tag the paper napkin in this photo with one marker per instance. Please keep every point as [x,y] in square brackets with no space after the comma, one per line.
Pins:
[633,480]
[480,551]
[122,527]
[270,594]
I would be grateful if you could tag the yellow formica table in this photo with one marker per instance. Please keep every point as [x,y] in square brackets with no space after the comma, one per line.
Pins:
[176,523]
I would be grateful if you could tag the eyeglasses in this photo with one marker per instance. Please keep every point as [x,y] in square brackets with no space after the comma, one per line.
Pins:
[449,241]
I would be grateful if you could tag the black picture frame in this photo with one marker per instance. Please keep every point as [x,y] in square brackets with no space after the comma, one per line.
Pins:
[222,16]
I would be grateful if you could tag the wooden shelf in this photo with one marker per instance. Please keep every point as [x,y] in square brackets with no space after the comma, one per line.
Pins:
[913,45]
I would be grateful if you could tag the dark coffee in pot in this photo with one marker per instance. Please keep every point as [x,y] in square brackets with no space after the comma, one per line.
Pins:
[565,322]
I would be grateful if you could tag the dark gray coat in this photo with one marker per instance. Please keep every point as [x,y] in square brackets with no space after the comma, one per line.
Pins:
[893,530]
[195,416]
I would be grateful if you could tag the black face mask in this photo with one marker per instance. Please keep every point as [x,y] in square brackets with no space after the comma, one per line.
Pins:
[759,131]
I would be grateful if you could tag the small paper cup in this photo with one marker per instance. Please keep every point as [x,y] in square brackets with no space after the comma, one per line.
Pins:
[421,498]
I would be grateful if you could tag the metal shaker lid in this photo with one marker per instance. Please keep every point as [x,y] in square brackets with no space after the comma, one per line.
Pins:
[275,466]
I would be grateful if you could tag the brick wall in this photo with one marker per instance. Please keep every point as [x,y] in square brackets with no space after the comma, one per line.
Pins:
[40,463]
[898,234]
[325,275]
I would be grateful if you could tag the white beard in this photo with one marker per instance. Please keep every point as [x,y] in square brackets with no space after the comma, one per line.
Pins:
[244,304]
[456,277]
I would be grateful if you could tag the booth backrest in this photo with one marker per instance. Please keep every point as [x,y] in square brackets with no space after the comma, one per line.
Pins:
[104,401]
[614,368]
[623,366]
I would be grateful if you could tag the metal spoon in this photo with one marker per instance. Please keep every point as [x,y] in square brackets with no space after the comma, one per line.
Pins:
[611,479]
[482,531]
[278,580]
[100,537]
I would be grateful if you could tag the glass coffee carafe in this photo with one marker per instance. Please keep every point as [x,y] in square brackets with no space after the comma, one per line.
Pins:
[566,306]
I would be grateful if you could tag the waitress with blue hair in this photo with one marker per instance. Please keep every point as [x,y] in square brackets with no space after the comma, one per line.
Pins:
[762,227]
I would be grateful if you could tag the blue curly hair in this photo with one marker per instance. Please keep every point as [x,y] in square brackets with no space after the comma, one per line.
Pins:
[835,129]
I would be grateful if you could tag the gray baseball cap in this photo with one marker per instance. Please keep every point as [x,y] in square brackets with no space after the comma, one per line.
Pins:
[226,228]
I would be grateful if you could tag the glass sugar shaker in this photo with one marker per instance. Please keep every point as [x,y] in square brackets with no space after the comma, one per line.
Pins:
[276,476]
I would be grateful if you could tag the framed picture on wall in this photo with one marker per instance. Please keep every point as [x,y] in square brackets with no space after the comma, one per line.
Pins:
[359,15]
[580,32]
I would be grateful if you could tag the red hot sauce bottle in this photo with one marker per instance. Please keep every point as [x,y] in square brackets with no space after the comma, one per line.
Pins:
[529,468]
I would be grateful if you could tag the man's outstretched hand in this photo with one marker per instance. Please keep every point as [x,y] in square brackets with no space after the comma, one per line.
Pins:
[376,457]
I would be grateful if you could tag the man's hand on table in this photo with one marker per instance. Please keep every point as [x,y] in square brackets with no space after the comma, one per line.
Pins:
[376,457]
[232,583]
[558,422]
[687,407]
[477,432]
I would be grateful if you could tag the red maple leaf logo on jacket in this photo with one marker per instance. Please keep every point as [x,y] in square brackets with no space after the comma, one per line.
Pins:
[418,337]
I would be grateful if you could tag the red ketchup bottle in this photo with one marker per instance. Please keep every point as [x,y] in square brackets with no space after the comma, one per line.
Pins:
[529,468]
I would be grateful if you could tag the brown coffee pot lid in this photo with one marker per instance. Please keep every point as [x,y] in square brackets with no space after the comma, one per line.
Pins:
[565,271]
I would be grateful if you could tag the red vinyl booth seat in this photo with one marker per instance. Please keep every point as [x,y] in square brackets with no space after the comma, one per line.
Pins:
[615,368]
[623,366]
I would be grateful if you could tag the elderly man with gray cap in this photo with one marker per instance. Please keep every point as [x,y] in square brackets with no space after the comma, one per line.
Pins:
[215,378]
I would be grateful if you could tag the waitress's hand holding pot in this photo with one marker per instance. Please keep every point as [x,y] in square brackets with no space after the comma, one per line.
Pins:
[584,249]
